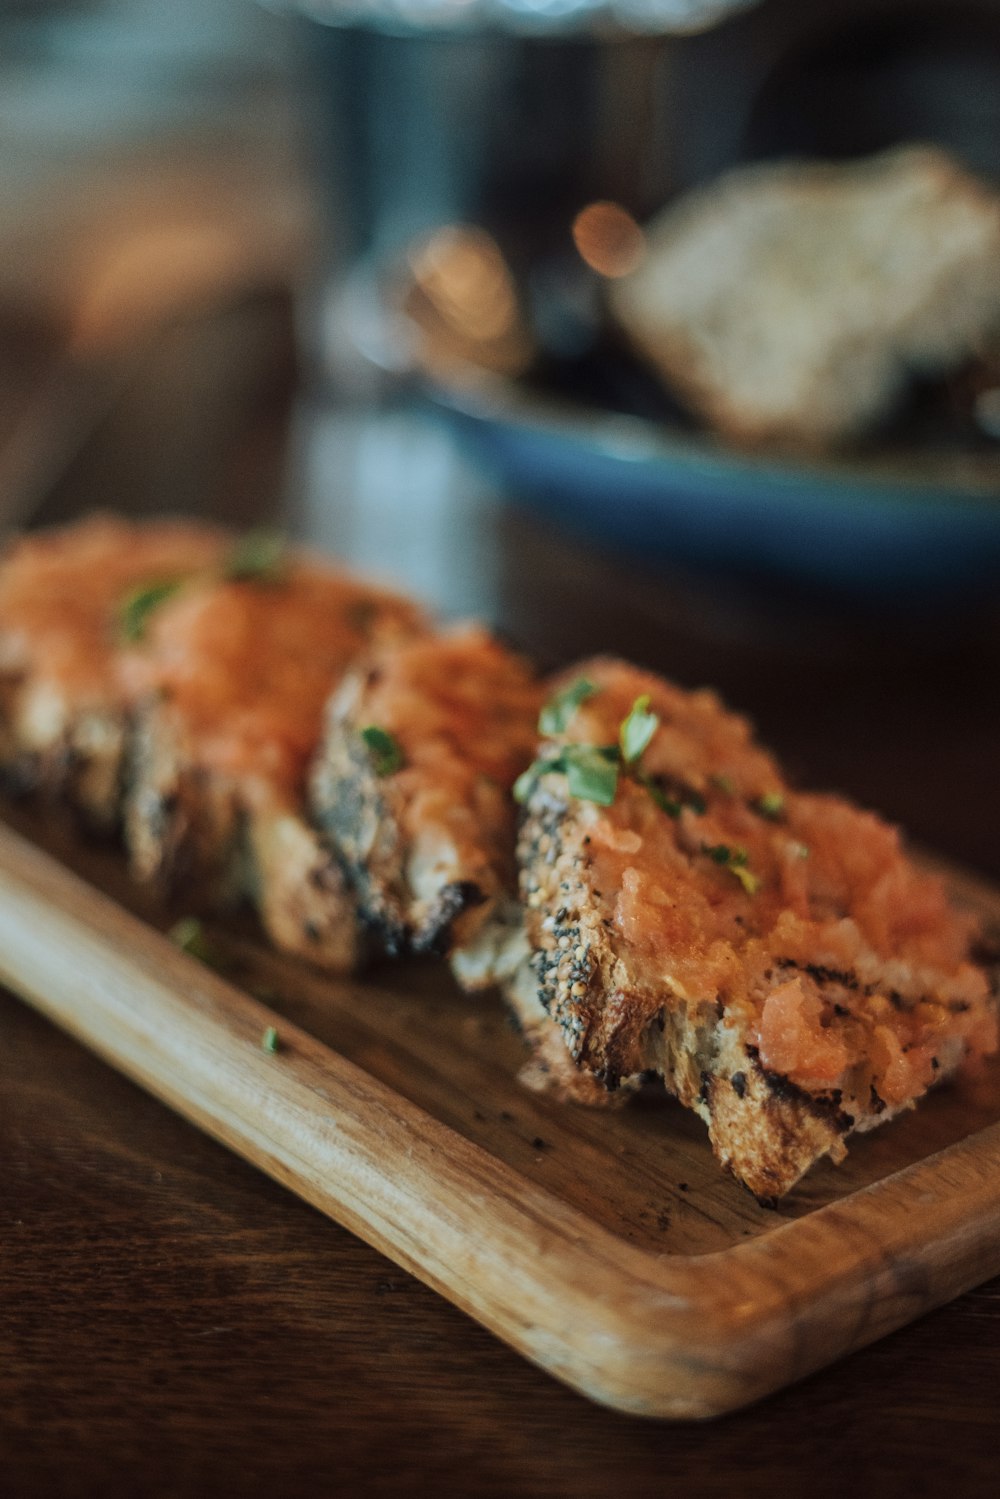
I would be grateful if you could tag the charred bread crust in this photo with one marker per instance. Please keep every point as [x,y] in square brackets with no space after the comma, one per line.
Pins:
[359,812]
[186,830]
[550,1069]
[565,931]
[183,827]
[764,1130]
[349,803]
[65,719]
[305,902]
[46,750]
[441,931]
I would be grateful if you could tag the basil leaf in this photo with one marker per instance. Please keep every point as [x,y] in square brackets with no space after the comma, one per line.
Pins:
[135,608]
[637,729]
[591,774]
[257,557]
[384,751]
[556,714]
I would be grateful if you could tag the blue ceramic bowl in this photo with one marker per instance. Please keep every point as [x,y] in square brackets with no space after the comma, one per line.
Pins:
[895,526]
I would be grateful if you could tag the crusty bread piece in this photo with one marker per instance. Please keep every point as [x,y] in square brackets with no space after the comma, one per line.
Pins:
[228,686]
[773,956]
[419,812]
[423,742]
[792,301]
[63,717]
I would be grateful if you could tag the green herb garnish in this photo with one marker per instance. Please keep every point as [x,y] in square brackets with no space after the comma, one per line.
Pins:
[637,730]
[527,781]
[771,805]
[524,786]
[661,798]
[189,935]
[269,1040]
[592,774]
[557,712]
[385,751]
[747,879]
[259,557]
[723,783]
[668,804]
[135,608]
[735,860]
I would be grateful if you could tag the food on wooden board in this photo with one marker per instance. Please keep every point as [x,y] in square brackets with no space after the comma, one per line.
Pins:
[172,677]
[228,685]
[423,743]
[69,599]
[773,955]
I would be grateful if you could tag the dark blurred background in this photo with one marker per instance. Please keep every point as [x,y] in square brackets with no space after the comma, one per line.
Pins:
[188,188]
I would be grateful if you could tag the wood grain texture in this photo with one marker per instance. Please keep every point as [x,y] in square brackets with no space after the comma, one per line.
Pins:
[735,1305]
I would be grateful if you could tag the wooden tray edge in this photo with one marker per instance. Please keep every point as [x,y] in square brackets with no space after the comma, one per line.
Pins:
[669,1336]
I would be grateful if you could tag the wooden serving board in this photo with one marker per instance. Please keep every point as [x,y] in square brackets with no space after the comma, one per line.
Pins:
[607,1247]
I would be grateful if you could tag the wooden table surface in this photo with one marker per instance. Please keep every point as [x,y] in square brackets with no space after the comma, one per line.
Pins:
[174,1323]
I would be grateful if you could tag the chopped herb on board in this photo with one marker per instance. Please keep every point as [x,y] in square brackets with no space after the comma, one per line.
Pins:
[189,935]
[385,751]
[136,608]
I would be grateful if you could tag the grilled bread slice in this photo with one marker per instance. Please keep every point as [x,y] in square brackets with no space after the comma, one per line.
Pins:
[794,301]
[772,955]
[229,684]
[68,600]
[423,742]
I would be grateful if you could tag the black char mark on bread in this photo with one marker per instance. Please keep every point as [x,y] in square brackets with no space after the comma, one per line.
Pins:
[773,956]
